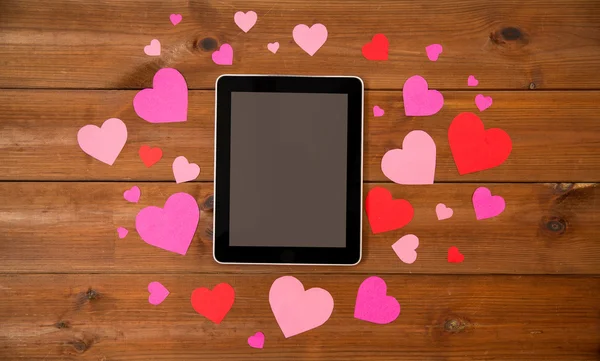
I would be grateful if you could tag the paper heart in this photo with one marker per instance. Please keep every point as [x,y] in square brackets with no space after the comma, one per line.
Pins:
[405,248]
[133,194]
[414,163]
[150,156]
[482,102]
[474,148]
[297,310]
[166,101]
[377,48]
[245,21]
[454,256]
[386,214]
[273,47]
[158,293]
[310,39]
[372,303]
[433,51]
[214,304]
[184,171]
[486,205]
[103,143]
[223,56]
[418,99]
[175,18]
[471,81]
[257,340]
[153,49]
[122,232]
[171,228]
[443,212]
[377,111]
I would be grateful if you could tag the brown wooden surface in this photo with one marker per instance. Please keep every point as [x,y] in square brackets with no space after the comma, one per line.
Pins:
[528,289]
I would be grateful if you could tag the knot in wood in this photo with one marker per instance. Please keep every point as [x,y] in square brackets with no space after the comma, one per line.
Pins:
[509,37]
[531,86]
[454,325]
[511,33]
[207,44]
[208,203]
[554,225]
[62,324]
[92,294]
[80,346]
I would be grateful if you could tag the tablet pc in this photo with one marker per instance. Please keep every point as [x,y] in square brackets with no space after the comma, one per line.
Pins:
[288,169]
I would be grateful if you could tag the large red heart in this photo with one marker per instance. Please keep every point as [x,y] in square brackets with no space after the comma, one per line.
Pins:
[150,155]
[474,148]
[214,304]
[386,214]
[377,49]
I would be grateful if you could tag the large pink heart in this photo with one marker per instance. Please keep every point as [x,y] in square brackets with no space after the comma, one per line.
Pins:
[486,205]
[372,303]
[171,228]
[166,102]
[310,39]
[418,99]
[414,163]
[105,143]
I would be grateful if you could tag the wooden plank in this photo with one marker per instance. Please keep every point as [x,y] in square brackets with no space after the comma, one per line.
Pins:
[90,44]
[107,317]
[71,227]
[556,135]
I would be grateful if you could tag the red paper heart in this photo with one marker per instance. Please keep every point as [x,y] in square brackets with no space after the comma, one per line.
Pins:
[474,148]
[454,255]
[377,49]
[214,304]
[386,214]
[150,155]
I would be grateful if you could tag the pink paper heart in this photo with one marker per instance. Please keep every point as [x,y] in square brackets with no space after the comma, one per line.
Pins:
[483,102]
[171,228]
[405,248]
[166,102]
[175,18]
[158,293]
[223,56]
[184,171]
[377,111]
[418,99]
[273,47]
[443,212]
[103,143]
[372,303]
[471,81]
[297,310]
[122,232]
[153,49]
[257,340]
[414,163]
[310,39]
[245,21]
[486,205]
[133,194]
[433,51]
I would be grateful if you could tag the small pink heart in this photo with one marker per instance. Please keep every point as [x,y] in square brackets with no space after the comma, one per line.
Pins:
[483,102]
[158,293]
[443,212]
[486,205]
[184,171]
[471,81]
[166,101]
[103,143]
[257,340]
[373,304]
[122,232]
[273,47]
[133,194]
[377,111]
[153,49]
[418,99]
[406,247]
[414,163]
[310,39]
[175,18]
[223,56]
[245,20]
[433,51]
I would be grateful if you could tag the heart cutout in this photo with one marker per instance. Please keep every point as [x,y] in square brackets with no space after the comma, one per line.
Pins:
[377,111]
[175,19]
[273,47]
[150,156]
[133,194]
[122,232]
[184,171]
[433,51]
[377,48]
[419,101]
[166,101]
[485,205]
[454,255]
[103,143]
[414,163]
[245,21]
[406,247]
[373,304]
[257,340]
[223,56]
[153,49]
[386,214]
[483,102]
[213,304]
[310,39]
[158,293]
[471,81]
[443,212]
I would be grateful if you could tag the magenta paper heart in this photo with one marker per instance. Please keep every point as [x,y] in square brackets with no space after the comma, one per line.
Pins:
[175,18]
[257,340]
[482,102]
[377,111]
[414,163]
[133,194]
[419,101]
[372,303]
[103,143]
[171,228]
[433,51]
[486,205]
[166,102]
[122,232]
[158,293]
[223,56]
[471,81]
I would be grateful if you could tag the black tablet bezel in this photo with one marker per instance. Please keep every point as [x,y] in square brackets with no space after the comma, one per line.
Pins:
[222,251]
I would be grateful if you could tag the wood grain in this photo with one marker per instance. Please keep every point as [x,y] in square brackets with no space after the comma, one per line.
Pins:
[99,45]
[556,135]
[71,227]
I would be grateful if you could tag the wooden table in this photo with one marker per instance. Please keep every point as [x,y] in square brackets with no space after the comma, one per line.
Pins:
[528,288]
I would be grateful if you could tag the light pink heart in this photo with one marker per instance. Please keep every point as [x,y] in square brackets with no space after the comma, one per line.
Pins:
[443,212]
[158,293]
[171,228]
[471,81]
[166,102]
[133,194]
[418,99]
[433,51]
[257,340]
[273,47]
[175,18]
[377,111]
[414,163]
[103,143]
[153,49]
[373,304]
[483,102]
[486,205]
[223,56]
[185,171]
[310,39]
[297,310]
[122,232]
[406,247]
[245,21]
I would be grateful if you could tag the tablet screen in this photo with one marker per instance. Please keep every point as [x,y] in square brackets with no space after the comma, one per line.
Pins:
[288,169]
